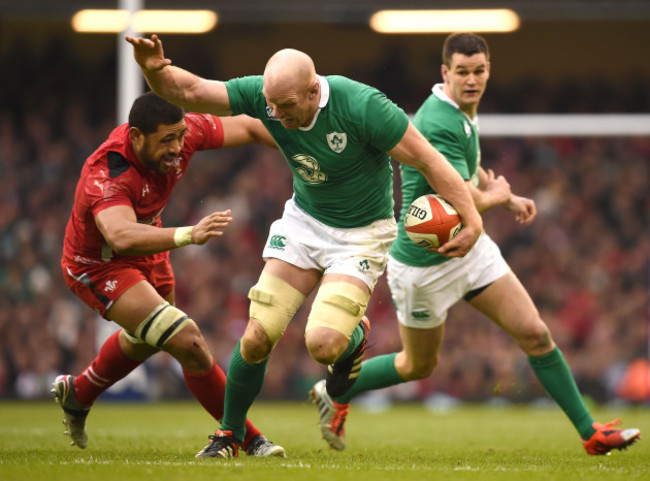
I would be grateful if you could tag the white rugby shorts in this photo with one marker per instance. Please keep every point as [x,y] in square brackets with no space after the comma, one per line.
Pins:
[423,295]
[301,240]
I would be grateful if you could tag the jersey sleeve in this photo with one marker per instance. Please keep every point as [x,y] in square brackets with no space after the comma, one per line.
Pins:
[204,132]
[244,95]
[453,148]
[386,123]
[448,141]
[108,182]
[103,193]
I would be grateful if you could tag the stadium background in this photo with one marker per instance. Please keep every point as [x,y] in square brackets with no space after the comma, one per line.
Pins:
[584,260]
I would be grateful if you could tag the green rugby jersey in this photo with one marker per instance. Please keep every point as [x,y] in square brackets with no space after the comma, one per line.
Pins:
[455,135]
[341,173]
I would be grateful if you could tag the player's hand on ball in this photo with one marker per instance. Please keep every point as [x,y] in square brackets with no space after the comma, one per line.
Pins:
[210,226]
[432,223]
[460,244]
[148,52]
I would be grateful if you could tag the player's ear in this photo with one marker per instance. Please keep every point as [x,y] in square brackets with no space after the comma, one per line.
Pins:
[444,70]
[314,88]
[137,138]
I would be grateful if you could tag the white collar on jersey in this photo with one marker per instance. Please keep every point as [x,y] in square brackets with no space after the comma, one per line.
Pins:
[324,98]
[438,91]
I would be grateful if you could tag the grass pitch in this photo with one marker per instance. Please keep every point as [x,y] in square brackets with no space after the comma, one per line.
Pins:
[406,442]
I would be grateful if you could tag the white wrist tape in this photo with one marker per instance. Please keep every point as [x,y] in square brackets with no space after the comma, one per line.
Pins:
[183,236]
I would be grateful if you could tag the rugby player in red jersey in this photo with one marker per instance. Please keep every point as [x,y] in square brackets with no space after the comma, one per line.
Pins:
[116,255]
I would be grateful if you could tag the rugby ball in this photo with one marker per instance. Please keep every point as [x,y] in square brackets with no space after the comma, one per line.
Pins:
[431,221]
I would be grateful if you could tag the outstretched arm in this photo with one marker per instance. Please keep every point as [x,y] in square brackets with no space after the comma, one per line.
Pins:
[523,208]
[242,129]
[179,86]
[495,190]
[414,150]
[123,233]
[492,190]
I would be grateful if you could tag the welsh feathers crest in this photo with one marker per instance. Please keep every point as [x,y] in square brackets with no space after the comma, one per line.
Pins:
[337,141]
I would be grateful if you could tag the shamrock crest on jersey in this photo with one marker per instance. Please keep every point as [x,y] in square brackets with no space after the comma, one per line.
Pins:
[269,114]
[337,141]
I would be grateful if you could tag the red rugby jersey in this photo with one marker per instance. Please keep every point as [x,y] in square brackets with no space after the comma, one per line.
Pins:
[113,176]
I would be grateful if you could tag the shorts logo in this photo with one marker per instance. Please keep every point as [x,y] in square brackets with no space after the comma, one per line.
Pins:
[420,315]
[337,141]
[277,242]
[110,286]
[364,266]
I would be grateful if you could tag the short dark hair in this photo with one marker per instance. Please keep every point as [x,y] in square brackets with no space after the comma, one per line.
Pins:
[464,43]
[149,111]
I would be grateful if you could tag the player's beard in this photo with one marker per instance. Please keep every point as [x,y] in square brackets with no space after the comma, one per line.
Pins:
[162,165]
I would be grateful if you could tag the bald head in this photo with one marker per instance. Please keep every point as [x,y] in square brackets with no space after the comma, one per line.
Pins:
[291,87]
[289,68]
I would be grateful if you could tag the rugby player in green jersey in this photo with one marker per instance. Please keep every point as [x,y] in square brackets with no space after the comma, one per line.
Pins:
[337,136]
[424,285]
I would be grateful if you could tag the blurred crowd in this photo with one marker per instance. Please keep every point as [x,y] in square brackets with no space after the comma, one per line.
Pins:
[584,260]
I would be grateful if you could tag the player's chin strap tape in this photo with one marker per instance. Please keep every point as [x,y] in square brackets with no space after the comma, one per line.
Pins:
[160,326]
[273,303]
[338,306]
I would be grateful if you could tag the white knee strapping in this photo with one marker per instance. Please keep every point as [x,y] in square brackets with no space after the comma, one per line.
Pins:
[338,306]
[132,338]
[273,303]
[162,324]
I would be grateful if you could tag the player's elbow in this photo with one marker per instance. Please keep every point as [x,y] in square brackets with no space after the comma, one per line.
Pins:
[120,243]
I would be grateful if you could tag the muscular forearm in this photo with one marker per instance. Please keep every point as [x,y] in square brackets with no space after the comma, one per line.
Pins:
[188,90]
[416,151]
[142,239]
[121,231]
[483,200]
[171,83]
[175,84]
[126,236]
[449,184]
[492,190]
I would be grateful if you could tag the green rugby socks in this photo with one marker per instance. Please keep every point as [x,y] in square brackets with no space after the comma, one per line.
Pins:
[554,374]
[244,383]
[376,373]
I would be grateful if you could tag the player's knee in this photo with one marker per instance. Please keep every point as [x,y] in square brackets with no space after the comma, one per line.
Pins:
[273,304]
[190,349]
[135,348]
[188,341]
[255,345]
[170,329]
[335,313]
[536,340]
[325,345]
[414,369]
